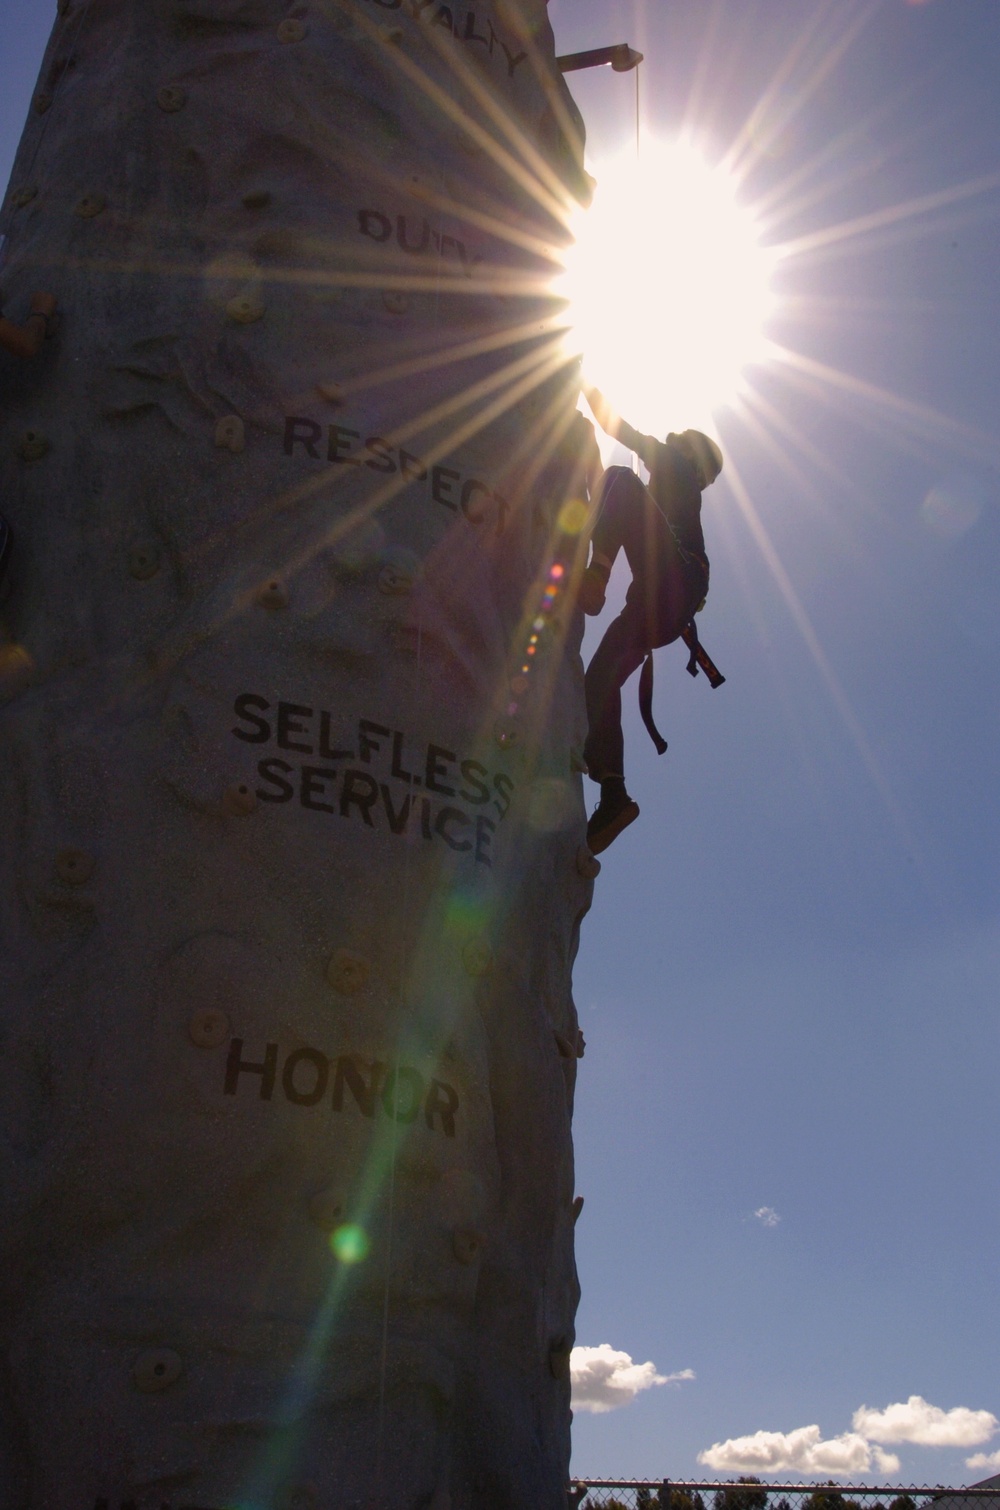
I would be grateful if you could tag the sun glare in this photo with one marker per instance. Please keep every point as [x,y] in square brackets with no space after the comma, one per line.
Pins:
[669,288]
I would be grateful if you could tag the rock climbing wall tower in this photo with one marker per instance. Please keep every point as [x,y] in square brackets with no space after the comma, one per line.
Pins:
[291,874]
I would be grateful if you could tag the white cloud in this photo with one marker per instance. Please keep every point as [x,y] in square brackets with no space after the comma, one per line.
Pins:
[605,1379]
[983,1460]
[802,1450]
[926,1425]
[767,1216]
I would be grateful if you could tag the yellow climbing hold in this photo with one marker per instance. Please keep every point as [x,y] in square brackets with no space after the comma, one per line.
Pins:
[396,301]
[230,434]
[23,196]
[32,445]
[90,206]
[239,800]
[16,670]
[171,98]
[156,1370]
[245,309]
[143,562]
[333,393]
[208,1027]
[326,1209]
[274,594]
[291,30]
[466,1245]
[347,972]
[74,867]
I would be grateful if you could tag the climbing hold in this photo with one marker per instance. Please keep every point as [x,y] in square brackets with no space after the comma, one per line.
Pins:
[326,1209]
[390,36]
[559,1359]
[230,434]
[347,972]
[332,393]
[394,582]
[505,733]
[23,196]
[257,199]
[156,1370]
[291,30]
[208,1028]
[239,800]
[399,573]
[581,1044]
[74,866]
[32,445]
[143,562]
[588,865]
[477,957]
[90,206]
[245,309]
[16,671]
[466,1245]
[42,102]
[274,594]
[519,685]
[577,1208]
[577,764]
[396,301]
[566,1049]
[171,98]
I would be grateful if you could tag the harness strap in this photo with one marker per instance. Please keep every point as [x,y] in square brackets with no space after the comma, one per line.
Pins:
[646,704]
[699,658]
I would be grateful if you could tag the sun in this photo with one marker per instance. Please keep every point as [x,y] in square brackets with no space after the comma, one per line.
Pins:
[668,287]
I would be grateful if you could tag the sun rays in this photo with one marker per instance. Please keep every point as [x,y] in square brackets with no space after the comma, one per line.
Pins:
[496,342]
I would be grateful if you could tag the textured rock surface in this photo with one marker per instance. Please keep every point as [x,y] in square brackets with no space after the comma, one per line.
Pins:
[290,876]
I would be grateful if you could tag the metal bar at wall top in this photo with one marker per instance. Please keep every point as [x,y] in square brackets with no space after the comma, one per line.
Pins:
[621,57]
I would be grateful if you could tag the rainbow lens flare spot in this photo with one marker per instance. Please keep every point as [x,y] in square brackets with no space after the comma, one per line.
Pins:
[350,1244]
[572,519]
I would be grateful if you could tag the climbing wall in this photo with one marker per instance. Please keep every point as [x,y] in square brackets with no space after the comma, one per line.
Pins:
[292,870]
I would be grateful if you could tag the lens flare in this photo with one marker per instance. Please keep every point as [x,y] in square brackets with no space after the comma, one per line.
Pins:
[668,287]
[350,1244]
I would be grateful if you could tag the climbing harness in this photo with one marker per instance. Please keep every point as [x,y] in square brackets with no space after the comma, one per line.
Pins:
[698,660]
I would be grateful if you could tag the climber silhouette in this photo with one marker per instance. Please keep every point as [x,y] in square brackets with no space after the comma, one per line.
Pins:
[659,528]
[23,341]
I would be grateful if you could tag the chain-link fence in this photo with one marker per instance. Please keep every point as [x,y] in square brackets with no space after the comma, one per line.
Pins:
[752,1494]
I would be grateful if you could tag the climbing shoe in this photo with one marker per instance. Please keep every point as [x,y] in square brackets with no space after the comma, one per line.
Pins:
[615,811]
[592,589]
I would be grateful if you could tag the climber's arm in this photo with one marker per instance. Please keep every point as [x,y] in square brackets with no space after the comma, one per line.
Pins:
[614,425]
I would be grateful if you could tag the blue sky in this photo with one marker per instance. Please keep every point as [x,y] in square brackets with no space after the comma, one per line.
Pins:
[787,980]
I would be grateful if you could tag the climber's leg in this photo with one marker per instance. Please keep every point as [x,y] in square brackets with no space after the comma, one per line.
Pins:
[624,500]
[620,652]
